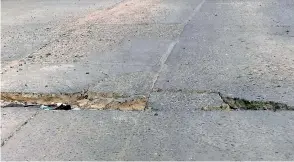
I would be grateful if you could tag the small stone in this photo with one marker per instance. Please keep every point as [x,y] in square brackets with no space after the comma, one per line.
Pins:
[87,73]
[155,114]
[46,85]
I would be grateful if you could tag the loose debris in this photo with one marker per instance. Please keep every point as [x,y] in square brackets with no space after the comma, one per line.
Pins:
[84,100]
[58,106]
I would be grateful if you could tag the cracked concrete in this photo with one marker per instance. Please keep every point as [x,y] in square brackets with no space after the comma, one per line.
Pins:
[85,100]
[171,58]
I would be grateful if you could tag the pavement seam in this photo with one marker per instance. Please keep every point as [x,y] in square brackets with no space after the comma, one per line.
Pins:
[4,141]
[171,47]
[165,56]
[162,63]
[197,8]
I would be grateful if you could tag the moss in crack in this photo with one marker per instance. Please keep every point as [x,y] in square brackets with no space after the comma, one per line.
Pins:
[221,107]
[242,104]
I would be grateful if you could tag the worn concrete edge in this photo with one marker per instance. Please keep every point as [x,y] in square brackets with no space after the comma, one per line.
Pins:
[84,100]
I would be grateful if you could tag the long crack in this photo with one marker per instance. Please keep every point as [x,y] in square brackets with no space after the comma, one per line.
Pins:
[109,100]
[4,141]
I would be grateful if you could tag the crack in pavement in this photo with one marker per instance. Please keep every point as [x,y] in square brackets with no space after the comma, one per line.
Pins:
[171,47]
[135,102]
[84,99]
[243,104]
[109,100]
[4,141]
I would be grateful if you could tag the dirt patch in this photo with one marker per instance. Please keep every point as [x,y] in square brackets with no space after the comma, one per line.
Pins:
[84,100]
[128,12]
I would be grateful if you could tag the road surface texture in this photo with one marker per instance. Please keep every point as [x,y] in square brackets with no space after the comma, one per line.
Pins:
[188,60]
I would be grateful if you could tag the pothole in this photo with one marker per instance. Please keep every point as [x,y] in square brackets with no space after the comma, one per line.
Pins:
[83,100]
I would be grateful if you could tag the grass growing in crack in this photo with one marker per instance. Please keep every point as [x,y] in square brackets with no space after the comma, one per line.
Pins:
[242,104]
[221,107]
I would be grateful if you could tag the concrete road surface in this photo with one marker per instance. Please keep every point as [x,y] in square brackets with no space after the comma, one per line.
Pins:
[183,56]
